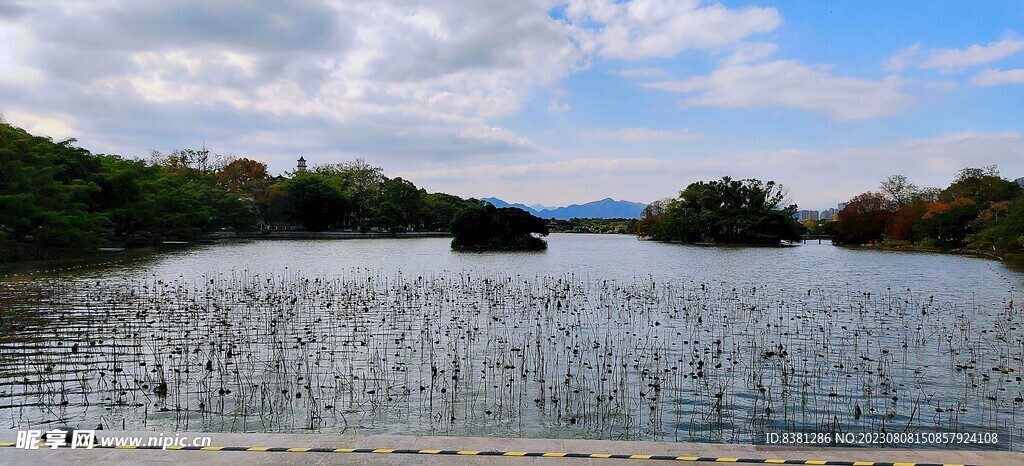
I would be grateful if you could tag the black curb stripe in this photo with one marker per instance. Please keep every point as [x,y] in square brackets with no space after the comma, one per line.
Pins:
[529,454]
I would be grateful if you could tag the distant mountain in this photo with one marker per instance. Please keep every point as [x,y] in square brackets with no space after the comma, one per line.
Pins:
[605,208]
[500,203]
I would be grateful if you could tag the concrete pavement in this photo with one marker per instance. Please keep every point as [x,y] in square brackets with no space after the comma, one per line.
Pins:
[13,456]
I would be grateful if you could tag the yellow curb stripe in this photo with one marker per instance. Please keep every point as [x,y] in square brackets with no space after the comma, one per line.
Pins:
[551,454]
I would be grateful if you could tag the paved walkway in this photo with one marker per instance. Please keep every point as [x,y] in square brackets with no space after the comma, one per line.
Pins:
[10,455]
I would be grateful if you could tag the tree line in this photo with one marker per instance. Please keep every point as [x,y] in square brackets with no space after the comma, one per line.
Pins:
[979,211]
[352,195]
[58,199]
[594,225]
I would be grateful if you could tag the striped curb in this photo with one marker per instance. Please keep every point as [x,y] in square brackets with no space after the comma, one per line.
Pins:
[529,454]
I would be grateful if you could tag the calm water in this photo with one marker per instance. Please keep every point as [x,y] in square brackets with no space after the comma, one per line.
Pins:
[597,337]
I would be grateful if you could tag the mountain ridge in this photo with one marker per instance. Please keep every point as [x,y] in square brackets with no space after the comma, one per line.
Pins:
[603,208]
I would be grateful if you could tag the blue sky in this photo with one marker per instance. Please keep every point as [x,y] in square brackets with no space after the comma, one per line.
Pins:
[549,102]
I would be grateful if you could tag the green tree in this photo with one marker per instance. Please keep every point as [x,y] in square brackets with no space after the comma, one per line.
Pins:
[56,198]
[439,210]
[1001,229]
[244,176]
[360,183]
[483,226]
[984,186]
[724,211]
[401,205]
[948,223]
[316,204]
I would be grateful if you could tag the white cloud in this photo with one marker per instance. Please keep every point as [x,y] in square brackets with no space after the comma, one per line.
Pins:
[747,53]
[641,134]
[816,179]
[789,83]
[548,169]
[947,60]
[556,105]
[903,58]
[994,77]
[551,183]
[498,135]
[662,28]
[641,73]
[56,126]
[369,75]
[13,70]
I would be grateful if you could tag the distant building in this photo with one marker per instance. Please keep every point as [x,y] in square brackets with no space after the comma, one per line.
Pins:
[816,215]
[802,215]
[302,164]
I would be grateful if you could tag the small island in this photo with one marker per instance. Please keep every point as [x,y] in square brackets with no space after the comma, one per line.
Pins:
[725,211]
[482,226]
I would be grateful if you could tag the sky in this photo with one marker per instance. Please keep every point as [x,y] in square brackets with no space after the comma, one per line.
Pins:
[536,101]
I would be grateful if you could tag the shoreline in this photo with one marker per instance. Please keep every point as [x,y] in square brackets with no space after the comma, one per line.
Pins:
[302,234]
[1011,260]
[108,255]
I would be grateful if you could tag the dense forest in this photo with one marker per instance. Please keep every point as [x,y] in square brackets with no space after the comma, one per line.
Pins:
[979,212]
[724,211]
[57,199]
[483,226]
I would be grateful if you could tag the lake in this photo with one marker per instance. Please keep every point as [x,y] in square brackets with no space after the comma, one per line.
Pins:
[600,336]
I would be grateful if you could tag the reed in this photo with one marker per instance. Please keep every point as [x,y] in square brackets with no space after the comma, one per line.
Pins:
[497,354]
